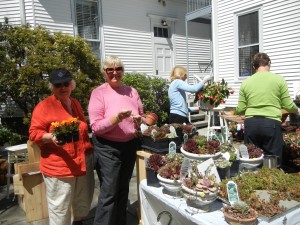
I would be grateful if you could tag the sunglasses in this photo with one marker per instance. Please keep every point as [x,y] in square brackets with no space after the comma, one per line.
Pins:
[111,70]
[65,84]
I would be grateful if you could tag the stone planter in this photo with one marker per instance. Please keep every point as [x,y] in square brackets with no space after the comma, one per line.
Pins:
[233,220]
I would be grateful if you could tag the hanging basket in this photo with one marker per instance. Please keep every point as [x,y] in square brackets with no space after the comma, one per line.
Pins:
[205,106]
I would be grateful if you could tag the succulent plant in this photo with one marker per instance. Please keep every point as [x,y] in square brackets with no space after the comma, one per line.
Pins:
[241,207]
[155,161]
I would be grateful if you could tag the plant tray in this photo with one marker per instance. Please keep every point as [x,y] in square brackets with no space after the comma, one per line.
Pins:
[161,150]
[161,143]
[289,205]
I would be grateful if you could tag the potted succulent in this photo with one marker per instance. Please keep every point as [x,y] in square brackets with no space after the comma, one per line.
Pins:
[223,167]
[255,156]
[199,147]
[292,148]
[169,174]
[240,214]
[158,138]
[154,162]
[231,154]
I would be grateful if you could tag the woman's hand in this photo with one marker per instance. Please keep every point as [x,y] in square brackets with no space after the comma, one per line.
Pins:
[125,113]
[49,137]
[137,119]
[57,142]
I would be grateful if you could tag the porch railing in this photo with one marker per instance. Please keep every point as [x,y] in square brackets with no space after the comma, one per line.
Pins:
[193,5]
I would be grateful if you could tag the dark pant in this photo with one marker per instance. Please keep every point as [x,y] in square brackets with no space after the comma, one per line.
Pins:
[175,118]
[114,162]
[266,134]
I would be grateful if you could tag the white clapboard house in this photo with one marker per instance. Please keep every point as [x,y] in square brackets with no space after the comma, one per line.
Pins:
[150,36]
[240,28]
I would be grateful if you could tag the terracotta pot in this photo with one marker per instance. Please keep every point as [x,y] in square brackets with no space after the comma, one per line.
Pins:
[238,221]
[151,118]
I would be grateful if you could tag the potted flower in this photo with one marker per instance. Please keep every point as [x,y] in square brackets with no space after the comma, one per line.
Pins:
[213,94]
[154,162]
[66,131]
[240,213]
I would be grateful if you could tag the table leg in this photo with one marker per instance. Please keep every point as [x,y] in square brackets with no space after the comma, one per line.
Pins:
[8,175]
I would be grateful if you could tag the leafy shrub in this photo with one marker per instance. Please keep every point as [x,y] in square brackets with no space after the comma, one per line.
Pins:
[10,137]
[153,92]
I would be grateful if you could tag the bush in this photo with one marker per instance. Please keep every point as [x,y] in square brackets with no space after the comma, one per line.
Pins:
[153,92]
[10,137]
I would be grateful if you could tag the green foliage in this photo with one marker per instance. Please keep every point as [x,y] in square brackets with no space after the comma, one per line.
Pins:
[153,92]
[10,137]
[29,54]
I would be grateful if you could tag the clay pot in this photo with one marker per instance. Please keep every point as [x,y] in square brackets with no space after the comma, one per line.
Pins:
[239,221]
[151,118]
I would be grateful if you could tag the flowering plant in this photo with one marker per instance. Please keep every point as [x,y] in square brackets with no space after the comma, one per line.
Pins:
[215,93]
[65,127]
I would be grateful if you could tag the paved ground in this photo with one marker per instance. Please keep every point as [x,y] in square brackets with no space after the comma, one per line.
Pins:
[11,213]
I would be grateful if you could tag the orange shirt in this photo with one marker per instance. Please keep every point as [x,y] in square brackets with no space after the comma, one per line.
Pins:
[69,159]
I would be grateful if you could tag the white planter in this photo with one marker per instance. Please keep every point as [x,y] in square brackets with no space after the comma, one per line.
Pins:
[198,197]
[199,156]
[253,162]
[170,185]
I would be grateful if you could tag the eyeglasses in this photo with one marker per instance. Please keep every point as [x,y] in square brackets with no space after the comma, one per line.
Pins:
[65,84]
[111,70]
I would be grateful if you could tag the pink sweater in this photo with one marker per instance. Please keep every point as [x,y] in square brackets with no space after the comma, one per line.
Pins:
[106,102]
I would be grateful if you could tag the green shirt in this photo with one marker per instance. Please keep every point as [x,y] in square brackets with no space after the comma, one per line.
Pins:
[265,94]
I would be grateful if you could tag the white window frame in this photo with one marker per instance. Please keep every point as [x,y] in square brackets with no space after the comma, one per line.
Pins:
[260,42]
[90,41]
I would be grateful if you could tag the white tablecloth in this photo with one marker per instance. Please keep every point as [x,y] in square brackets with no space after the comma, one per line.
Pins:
[154,201]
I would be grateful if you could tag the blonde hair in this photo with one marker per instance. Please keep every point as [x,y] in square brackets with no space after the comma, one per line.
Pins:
[178,72]
[110,61]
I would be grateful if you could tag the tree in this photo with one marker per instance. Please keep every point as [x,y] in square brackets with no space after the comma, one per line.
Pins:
[153,92]
[29,54]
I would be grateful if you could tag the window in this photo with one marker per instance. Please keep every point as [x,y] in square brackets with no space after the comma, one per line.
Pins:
[87,21]
[248,41]
[162,32]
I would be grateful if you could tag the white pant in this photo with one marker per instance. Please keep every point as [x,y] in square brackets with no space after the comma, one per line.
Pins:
[72,192]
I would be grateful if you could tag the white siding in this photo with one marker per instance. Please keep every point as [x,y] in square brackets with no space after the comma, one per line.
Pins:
[127,29]
[127,33]
[11,10]
[199,54]
[280,38]
[132,46]
[55,15]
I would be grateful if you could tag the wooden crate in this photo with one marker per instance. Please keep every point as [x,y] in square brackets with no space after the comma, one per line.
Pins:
[30,187]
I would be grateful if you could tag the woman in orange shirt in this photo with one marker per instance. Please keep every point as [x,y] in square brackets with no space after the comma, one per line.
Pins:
[67,168]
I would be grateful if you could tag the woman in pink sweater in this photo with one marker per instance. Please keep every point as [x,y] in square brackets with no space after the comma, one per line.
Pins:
[115,113]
